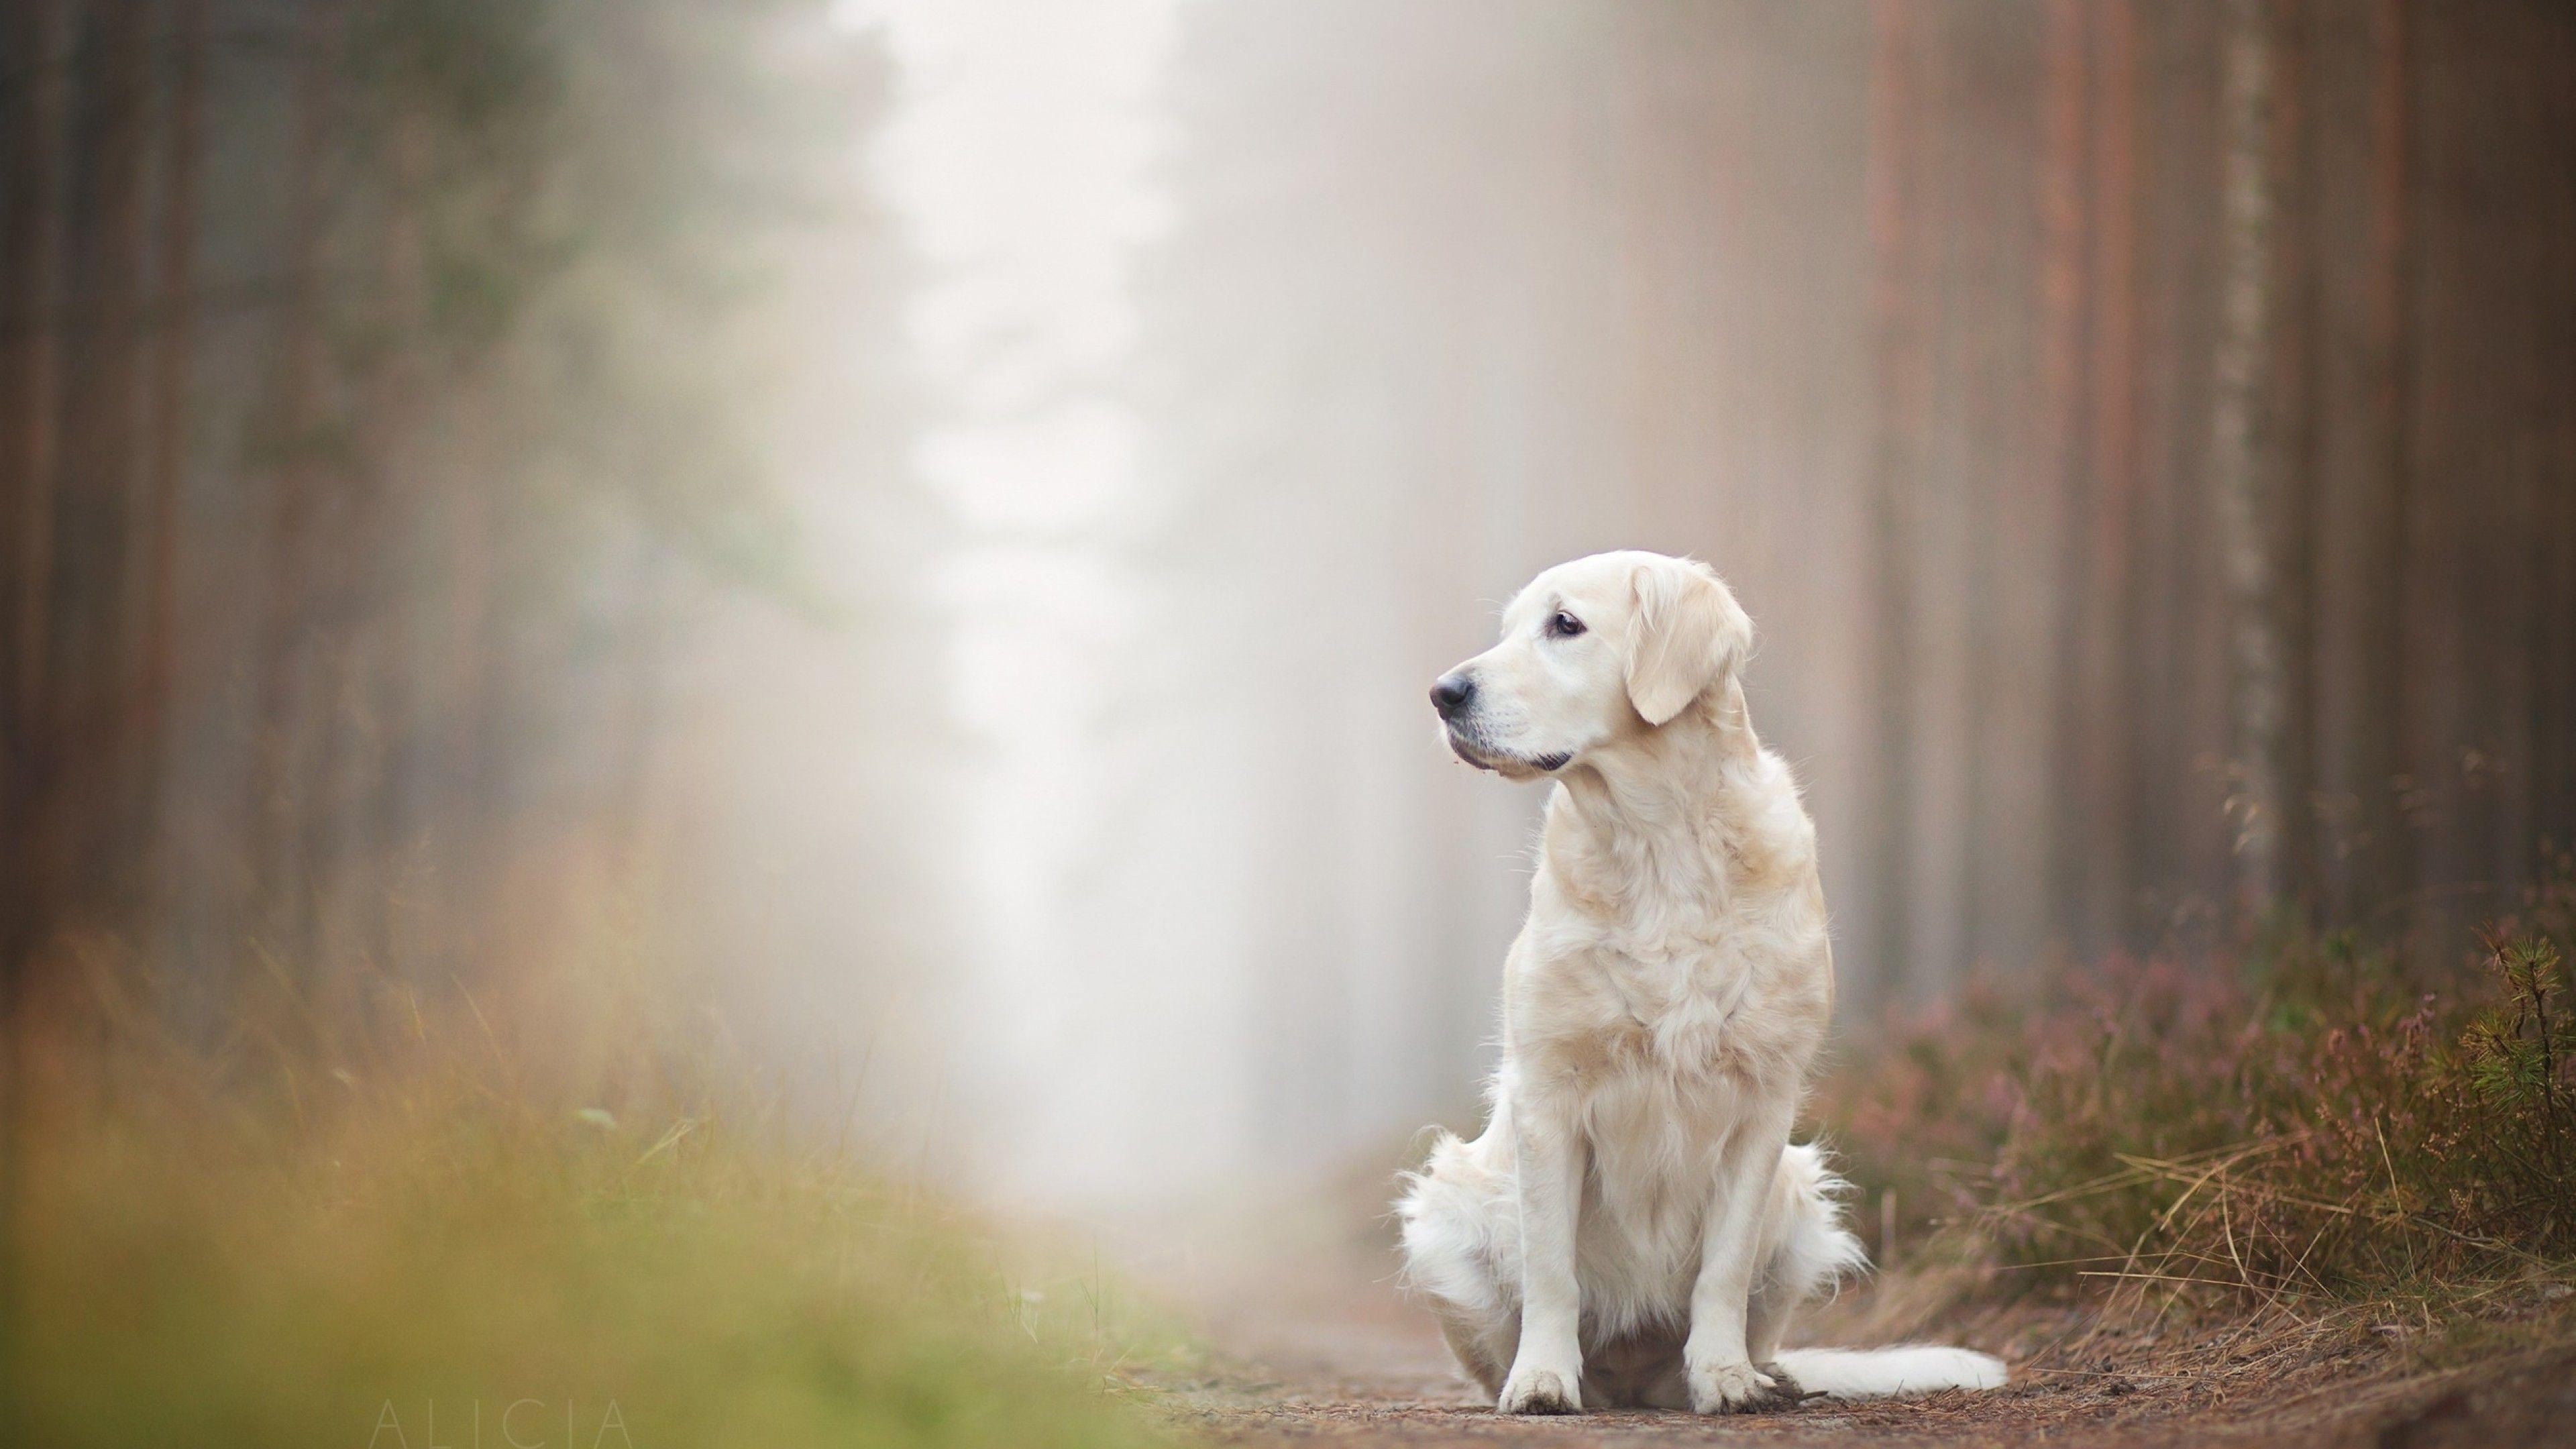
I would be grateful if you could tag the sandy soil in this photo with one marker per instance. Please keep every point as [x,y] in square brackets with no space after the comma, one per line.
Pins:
[1326,1354]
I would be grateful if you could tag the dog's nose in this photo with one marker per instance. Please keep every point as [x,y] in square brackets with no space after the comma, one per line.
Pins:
[1452,693]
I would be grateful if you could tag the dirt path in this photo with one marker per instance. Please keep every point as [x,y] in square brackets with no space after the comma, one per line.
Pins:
[1330,1356]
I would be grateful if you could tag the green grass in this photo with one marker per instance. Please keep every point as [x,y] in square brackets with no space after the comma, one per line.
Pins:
[397,1256]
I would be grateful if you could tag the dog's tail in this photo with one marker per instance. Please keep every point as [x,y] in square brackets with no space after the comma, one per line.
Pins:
[1872,1373]
[1816,1250]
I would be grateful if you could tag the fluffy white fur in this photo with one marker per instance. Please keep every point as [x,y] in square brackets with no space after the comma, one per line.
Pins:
[1634,1227]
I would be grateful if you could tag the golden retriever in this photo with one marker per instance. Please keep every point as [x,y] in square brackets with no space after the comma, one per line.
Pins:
[1634,1226]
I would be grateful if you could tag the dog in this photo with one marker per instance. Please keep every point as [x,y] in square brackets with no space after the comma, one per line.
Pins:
[1634,1226]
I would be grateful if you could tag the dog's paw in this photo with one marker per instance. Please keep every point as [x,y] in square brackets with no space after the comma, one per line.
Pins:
[1736,1388]
[1540,1391]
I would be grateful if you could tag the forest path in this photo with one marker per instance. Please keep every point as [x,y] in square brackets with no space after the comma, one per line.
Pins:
[1329,1356]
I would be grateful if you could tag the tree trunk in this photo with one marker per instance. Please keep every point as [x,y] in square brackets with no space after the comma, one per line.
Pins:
[1894,525]
[89,654]
[31,262]
[171,383]
[2114,736]
[31,171]
[2078,821]
[2294,520]
[396,499]
[281,878]
[2381,861]
[2242,465]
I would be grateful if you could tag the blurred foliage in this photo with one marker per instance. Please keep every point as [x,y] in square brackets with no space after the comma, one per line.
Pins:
[2322,1120]
[594,194]
[260,1247]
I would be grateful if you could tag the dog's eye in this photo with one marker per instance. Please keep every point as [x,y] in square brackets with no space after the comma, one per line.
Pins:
[1563,625]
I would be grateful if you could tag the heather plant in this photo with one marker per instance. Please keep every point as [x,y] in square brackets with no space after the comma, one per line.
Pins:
[2311,1119]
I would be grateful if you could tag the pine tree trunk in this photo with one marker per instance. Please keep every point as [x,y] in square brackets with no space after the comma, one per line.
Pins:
[31,264]
[89,654]
[31,172]
[2293,521]
[2382,856]
[2076,821]
[397,499]
[171,384]
[2242,466]
[2111,733]
[1894,525]
[281,878]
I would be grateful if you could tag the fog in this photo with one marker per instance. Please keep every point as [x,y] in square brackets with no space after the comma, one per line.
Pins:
[1263,351]
[943,513]
[1218,489]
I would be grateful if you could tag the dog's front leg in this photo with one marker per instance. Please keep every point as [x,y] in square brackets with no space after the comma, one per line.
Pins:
[1547,1372]
[1722,1377]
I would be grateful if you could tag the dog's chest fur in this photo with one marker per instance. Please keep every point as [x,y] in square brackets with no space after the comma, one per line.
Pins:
[1704,969]
[1658,1047]
[1657,1020]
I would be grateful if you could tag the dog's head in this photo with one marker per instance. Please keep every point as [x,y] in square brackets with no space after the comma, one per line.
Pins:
[1595,653]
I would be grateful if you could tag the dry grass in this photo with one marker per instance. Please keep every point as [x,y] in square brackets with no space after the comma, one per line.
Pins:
[401,1234]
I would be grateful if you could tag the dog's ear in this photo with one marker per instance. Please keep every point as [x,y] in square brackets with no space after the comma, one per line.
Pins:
[1685,633]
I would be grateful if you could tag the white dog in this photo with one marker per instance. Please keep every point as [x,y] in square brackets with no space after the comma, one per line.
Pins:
[1634,1227]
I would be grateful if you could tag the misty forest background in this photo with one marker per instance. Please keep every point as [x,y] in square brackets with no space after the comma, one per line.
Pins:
[467,498]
